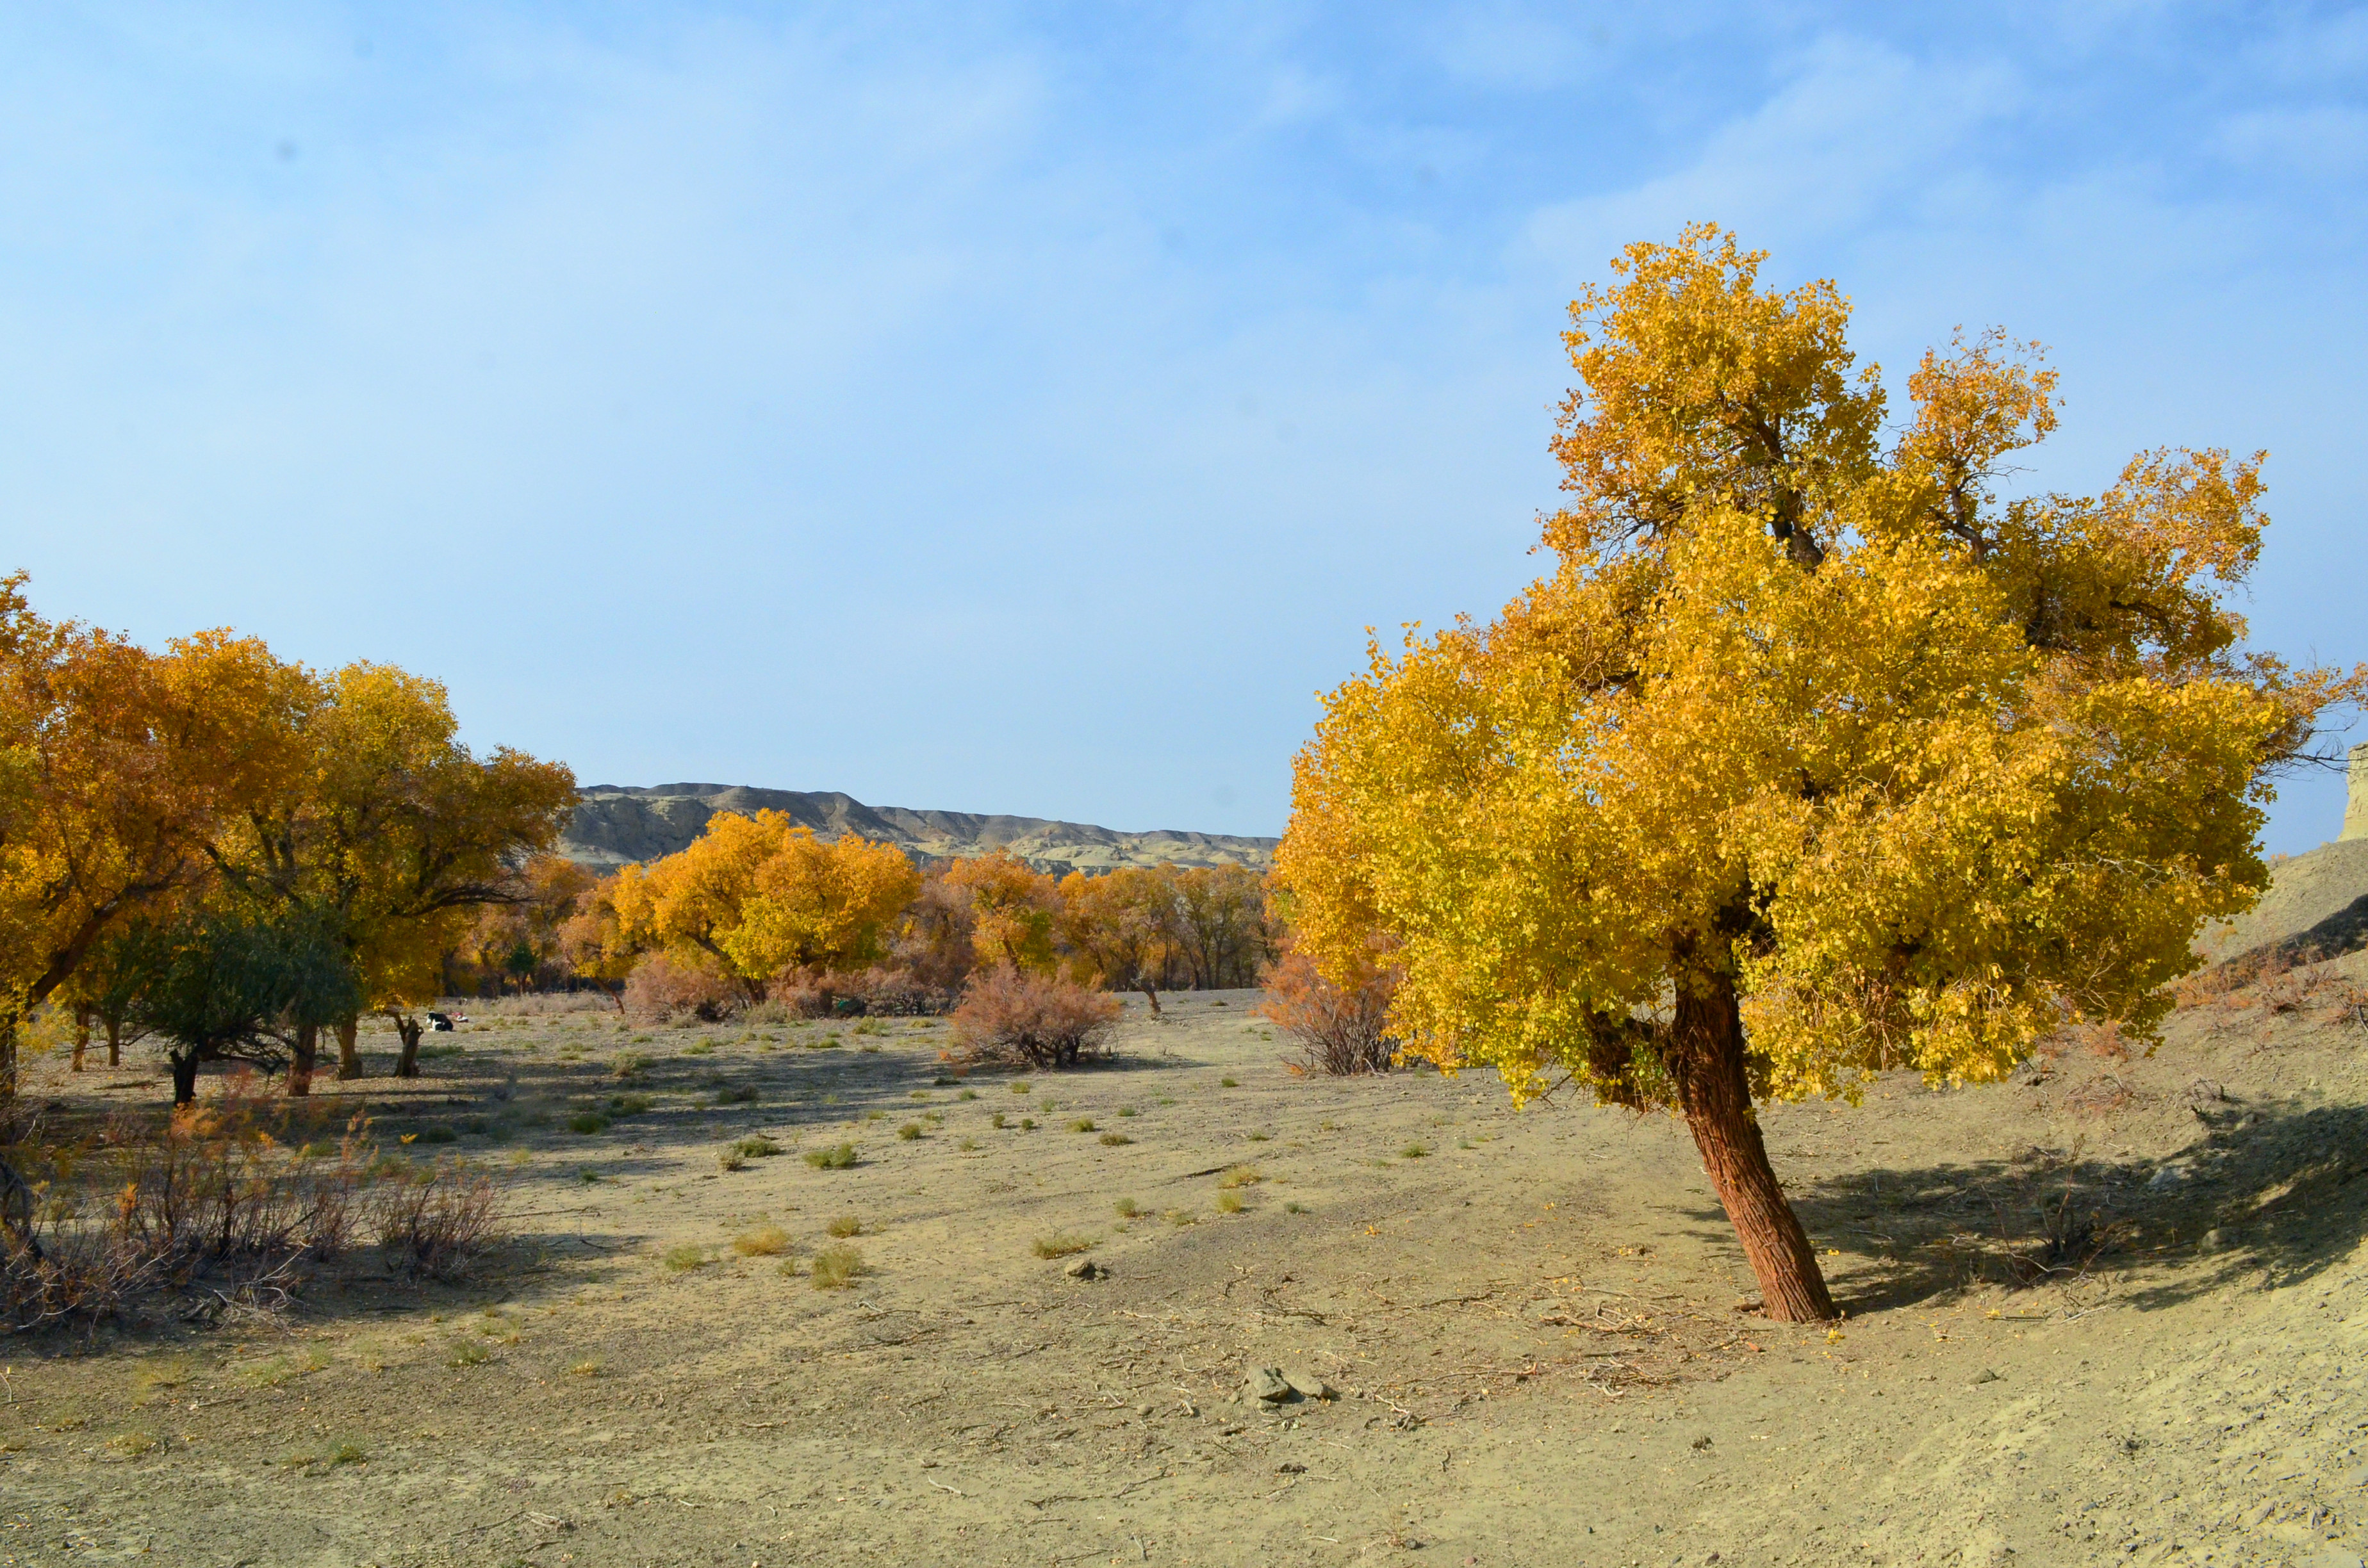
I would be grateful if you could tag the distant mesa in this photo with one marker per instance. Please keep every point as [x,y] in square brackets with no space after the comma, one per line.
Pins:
[616,824]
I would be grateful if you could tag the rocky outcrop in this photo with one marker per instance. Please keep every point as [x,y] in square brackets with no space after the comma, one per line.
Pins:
[616,824]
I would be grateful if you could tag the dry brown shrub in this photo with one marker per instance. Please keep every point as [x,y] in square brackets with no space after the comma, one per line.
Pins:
[1009,1017]
[876,992]
[2103,1040]
[1340,1031]
[437,1220]
[232,1203]
[663,989]
[2100,1094]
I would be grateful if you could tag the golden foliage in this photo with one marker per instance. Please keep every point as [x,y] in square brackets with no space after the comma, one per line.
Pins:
[1915,774]
[758,896]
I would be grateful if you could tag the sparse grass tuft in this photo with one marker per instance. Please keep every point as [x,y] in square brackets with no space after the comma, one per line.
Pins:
[1229,1203]
[469,1353]
[1027,1124]
[1114,1140]
[683,1257]
[732,1160]
[132,1445]
[1126,1110]
[967,1095]
[910,1133]
[587,1121]
[1127,1207]
[837,1157]
[1179,1218]
[996,1120]
[761,1241]
[967,1145]
[1229,1083]
[836,1268]
[584,1369]
[756,1146]
[1021,1085]
[1241,1175]
[1294,1207]
[747,1094]
[845,1225]
[1061,1244]
[1082,1124]
[1414,1152]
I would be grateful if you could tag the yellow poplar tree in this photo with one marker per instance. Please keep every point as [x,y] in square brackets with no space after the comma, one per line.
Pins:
[116,766]
[756,895]
[1013,907]
[1810,758]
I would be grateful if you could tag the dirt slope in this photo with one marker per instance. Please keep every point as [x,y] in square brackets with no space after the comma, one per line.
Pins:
[1531,1319]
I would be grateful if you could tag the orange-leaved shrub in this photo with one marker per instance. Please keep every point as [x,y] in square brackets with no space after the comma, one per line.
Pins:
[665,989]
[1342,1029]
[1011,1018]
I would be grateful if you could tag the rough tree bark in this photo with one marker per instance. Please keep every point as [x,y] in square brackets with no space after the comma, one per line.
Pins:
[185,1076]
[349,1061]
[302,1058]
[1706,1060]
[82,1035]
[408,1064]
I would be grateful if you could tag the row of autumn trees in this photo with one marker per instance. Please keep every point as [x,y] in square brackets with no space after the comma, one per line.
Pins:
[759,905]
[236,853]
[239,856]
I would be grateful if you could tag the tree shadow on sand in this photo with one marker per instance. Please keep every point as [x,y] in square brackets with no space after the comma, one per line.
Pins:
[2273,1194]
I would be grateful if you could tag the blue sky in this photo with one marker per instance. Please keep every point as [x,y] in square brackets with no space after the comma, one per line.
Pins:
[1028,408]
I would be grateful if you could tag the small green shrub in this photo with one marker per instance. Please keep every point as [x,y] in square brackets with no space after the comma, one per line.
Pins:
[836,1268]
[756,1146]
[682,1257]
[629,1104]
[468,1353]
[1020,1086]
[845,1225]
[1061,1244]
[909,1132]
[1126,1110]
[1414,1152]
[1294,1207]
[747,1094]
[438,1134]
[837,1157]
[996,1120]
[1228,1083]
[1127,1207]
[1027,1124]
[967,1095]
[1115,1139]
[1082,1124]
[587,1121]
[1229,1203]
[732,1160]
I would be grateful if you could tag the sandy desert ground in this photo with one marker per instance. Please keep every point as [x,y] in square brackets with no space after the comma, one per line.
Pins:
[1536,1323]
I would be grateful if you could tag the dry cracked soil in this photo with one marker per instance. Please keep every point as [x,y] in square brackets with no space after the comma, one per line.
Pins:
[2111,1310]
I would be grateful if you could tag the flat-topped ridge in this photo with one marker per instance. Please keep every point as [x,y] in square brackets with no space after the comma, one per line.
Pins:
[615,823]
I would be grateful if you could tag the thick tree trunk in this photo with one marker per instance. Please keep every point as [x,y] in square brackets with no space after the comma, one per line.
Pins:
[406,1065]
[1150,995]
[82,1037]
[1706,1058]
[349,1061]
[114,1042]
[185,1076]
[302,1057]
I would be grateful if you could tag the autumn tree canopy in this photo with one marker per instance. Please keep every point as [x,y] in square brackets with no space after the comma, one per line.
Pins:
[1811,757]
[758,895]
